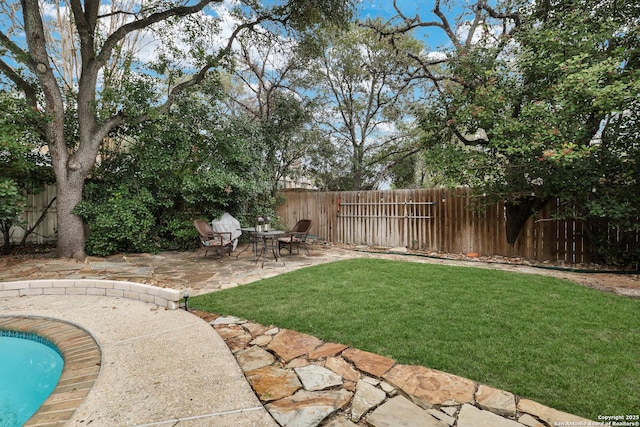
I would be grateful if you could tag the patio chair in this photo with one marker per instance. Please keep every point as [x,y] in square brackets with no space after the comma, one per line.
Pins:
[214,240]
[296,236]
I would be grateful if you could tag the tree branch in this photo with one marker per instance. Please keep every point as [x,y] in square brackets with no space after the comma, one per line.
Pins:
[178,89]
[19,54]
[29,90]
[446,26]
[514,16]
[154,18]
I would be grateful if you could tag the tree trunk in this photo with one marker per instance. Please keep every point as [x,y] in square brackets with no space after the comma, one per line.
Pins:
[518,212]
[71,238]
[6,228]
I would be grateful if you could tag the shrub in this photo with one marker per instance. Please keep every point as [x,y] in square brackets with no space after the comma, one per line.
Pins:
[121,221]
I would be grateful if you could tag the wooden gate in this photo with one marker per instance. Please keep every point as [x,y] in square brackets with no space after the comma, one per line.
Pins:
[367,218]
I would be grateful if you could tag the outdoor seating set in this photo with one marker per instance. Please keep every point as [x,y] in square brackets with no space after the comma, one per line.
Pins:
[222,234]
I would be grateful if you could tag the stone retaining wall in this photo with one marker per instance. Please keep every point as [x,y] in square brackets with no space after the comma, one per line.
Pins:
[168,298]
[302,380]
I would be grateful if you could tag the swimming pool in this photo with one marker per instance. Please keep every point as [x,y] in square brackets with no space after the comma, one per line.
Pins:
[82,360]
[30,367]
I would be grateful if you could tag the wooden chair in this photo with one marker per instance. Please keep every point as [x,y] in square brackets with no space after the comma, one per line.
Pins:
[296,236]
[209,239]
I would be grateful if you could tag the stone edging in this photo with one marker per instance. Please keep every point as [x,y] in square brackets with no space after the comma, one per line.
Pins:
[167,298]
[299,378]
[82,362]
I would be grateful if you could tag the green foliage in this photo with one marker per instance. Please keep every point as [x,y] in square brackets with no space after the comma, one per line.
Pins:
[403,172]
[21,145]
[365,102]
[305,15]
[286,136]
[265,92]
[128,93]
[186,164]
[114,88]
[549,109]
[120,220]
[23,169]
[11,206]
[175,231]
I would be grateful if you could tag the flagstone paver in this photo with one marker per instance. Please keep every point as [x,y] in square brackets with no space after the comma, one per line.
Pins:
[253,358]
[471,416]
[255,329]
[429,387]
[262,340]
[290,344]
[308,408]
[342,368]
[367,397]
[327,350]
[498,401]
[314,377]
[368,362]
[312,383]
[231,331]
[529,421]
[298,362]
[549,415]
[341,422]
[401,412]
[238,342]
[442,416]
[273,383]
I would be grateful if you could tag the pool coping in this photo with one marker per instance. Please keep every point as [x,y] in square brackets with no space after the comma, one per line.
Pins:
[164,297]
[82,364]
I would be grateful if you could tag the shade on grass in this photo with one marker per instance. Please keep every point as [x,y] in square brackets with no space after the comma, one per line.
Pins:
[569,347]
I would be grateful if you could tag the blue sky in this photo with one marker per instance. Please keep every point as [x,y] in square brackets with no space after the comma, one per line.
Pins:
[385,7]
[431,37]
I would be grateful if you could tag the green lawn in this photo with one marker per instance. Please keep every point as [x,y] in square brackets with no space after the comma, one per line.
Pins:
[569,347]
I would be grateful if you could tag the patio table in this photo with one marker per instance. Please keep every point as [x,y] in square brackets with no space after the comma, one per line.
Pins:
[269,241]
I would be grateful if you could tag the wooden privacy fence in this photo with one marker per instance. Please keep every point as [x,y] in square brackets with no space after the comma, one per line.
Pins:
[432,220]
[36,204]
[426,219]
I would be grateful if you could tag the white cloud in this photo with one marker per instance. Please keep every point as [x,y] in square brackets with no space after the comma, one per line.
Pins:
[386,128]
[228,23]
[436,56]
[50,10]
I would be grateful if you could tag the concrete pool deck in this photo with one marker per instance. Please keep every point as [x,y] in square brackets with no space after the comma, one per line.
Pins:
[159,367]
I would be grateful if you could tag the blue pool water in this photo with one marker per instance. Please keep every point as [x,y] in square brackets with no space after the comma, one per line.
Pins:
[30,367]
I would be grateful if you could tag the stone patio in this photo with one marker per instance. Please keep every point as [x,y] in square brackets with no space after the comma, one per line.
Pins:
[192,271]
[303,381]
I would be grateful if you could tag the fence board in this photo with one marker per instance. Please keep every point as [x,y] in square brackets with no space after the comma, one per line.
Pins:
[434,220]
[45,232]
[427,219]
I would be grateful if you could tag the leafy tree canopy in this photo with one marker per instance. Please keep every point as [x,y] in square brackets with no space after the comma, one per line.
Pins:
[91,38]
[540,100]
[149,186]
[360,80]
